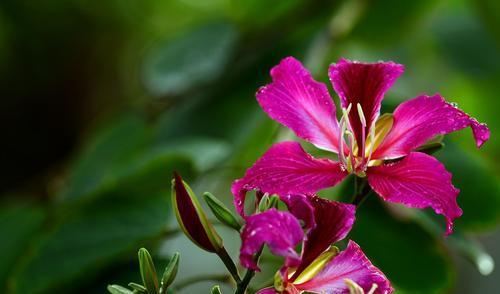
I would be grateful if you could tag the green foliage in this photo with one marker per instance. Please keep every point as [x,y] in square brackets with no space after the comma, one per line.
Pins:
[191,60]
[18,223]
[89,238]
[479,195]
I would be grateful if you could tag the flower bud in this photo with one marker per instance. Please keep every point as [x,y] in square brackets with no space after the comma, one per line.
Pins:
[216,290]
[117,289]
[191,217]
[169,273]
[148,271]
[221,212]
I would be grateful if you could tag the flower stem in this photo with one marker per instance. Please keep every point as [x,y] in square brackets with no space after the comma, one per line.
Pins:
[229,263]
[243,285]
[361,191]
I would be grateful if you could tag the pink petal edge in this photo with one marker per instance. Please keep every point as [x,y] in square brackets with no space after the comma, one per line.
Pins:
[297,101]
[352,264]
[363,83]
[280,230]
[287,169]
[419,181]
[420,119]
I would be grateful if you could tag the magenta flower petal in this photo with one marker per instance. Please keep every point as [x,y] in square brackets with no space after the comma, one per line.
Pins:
[363,83]
[349,264]
[280,230]
[422,118]
[297,101]
[287,169]
[302,208]
[418,180]
[333,222]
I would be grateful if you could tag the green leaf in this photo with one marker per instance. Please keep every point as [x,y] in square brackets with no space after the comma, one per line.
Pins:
[91,239]
[221,212]
[169,273]
[479,195]
[117,289]
[148,271]
[108,151]
[190,60]
[18,224]
[386,21]
[126,155]
[411,258]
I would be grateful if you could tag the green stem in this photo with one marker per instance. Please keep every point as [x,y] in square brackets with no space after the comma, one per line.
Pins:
[243,285]
[229,263]
[202,278]
[361,192]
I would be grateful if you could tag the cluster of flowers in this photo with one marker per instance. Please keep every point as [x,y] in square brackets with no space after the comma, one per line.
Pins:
[384,150]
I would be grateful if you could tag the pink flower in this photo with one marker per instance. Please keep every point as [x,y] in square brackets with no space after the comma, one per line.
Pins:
[319,268]
[380,148]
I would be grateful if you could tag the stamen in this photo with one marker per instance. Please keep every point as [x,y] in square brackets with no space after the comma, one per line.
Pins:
[341,141]
[361,115]
[350,135]
[344,124]
[372,290]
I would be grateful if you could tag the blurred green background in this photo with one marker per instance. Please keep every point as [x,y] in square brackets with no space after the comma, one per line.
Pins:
[102,100]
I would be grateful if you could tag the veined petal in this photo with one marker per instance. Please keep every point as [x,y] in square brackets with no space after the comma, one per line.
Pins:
[420,119]
[363,83]
[333,221]
[280,230]
[297,101]
[301,207]
[287,169]
[418,180]
[349,264]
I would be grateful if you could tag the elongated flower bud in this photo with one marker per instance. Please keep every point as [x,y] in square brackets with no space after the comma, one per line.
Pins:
[148,271]
[191,217]
[169,273]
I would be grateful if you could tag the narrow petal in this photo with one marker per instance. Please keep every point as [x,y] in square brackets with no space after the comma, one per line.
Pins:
[333,221]
[297,101]
[420,119]
[280,230]
[287,169]
[349,264]
[363,83]
[418,180]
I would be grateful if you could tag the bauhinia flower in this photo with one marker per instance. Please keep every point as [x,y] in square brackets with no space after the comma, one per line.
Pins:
[319,268]
[380,148]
